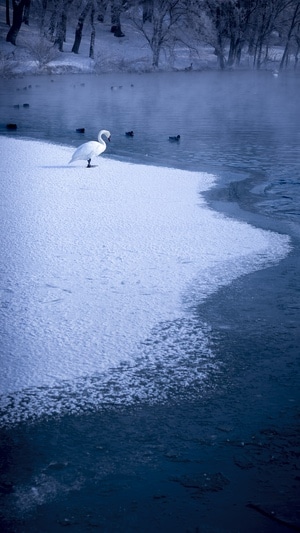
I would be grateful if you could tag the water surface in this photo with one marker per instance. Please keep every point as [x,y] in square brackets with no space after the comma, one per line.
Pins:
[230,123]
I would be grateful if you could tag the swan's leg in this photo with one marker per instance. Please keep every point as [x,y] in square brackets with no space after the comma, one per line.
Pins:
[89,163]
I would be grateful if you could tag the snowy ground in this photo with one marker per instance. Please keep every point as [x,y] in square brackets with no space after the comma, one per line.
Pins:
[96,260]
[130,53]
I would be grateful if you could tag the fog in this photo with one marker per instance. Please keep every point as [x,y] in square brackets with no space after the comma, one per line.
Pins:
[223,118]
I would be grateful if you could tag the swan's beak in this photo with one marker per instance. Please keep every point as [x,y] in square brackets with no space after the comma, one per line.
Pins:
[108,138]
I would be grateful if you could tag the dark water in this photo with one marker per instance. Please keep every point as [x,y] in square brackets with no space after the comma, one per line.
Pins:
[193,466]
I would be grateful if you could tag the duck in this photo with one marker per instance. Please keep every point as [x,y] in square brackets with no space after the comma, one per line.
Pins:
[129,134]
[174,138]
[90,149]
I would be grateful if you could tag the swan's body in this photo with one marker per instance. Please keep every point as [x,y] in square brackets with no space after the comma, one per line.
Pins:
[91,149]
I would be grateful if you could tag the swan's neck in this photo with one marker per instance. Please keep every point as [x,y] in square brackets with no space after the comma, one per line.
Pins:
[100,140]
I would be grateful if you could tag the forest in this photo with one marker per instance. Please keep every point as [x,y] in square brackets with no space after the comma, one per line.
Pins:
[232,27]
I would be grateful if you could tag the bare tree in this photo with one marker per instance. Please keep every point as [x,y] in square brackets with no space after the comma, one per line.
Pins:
[93,32]
[42,17]
[26,13]
[102,6]
[161,31]
[7,13]
[297,39]
[292,32]
[56,11]
[228,25]
[147,10]
[116,10]
[79,27]
[238,18]
[209,20]
[18,8]
[61,26]
[42,51]
[264,22]
[90,7]
[58,21]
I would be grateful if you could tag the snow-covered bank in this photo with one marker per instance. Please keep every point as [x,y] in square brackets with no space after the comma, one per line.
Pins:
[130,53]
[95,260]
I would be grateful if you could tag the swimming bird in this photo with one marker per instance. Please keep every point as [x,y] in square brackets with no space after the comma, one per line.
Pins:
[177,138]
[90,149]
[129,133]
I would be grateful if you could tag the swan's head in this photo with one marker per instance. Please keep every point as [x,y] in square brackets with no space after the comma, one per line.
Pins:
[104,132]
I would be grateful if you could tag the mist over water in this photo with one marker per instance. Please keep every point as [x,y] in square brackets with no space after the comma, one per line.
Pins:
[233,124]
[242,118]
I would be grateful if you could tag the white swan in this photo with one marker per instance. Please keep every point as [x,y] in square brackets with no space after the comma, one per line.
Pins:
[90,149]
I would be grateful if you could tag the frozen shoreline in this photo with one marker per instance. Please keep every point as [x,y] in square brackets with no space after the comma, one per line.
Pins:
[96,258]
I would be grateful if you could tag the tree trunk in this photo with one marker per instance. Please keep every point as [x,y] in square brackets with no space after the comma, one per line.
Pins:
[219,51]
[62,27]
[296,58]
[43,15]
[93,33]
[284,58]
[54,18]
[257,62]
[116,9]
[239,52]
[155,57]
[157,40]
[102,6]
[26,12]
[297,51]
[220,56]
[78,32]
[147,11]
[7,13]
[18,7]
[60,33]
[230,59]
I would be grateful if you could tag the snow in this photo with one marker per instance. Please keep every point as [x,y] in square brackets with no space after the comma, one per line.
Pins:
[101,270]
[130,53]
